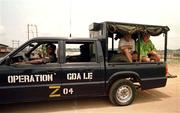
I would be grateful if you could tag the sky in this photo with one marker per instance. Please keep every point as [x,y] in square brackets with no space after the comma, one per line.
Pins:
[60,17]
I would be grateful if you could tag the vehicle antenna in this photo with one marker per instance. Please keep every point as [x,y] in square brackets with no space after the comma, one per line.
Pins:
[70,8]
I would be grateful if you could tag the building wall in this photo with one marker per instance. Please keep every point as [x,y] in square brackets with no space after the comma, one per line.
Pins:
[3,50]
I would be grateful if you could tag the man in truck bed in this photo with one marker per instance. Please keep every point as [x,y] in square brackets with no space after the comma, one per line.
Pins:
[147,49]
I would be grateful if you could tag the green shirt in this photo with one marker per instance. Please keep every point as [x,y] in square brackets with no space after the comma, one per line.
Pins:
[145,48]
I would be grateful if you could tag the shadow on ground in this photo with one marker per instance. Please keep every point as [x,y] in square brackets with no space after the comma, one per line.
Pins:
[81,103]
[149,96]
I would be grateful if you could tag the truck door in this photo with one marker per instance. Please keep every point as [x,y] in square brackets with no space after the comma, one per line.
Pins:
[20,81]
[82,74]
[27,82]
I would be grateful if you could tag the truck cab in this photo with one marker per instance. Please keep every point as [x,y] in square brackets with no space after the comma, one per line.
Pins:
[78,71]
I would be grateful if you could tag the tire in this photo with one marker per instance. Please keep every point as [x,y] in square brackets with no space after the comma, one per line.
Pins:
[122,92]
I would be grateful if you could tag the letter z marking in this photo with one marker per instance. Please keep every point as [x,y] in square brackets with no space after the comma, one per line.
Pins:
[55,92]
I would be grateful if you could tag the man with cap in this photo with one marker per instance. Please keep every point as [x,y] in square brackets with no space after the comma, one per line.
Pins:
[51,56]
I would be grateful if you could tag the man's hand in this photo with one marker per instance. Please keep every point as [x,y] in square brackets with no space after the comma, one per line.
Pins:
[153,53]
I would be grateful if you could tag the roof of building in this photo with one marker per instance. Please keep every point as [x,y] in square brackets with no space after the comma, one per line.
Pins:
[3,45]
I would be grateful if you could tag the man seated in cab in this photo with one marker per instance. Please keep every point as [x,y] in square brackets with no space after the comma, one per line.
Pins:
[147,49]
[50,58]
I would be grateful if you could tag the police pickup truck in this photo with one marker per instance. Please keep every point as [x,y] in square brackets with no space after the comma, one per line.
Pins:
[83,68]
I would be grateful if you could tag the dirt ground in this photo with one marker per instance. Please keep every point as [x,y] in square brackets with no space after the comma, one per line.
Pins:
[161,100]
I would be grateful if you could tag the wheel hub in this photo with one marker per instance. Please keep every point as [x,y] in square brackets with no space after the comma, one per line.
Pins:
[124,93]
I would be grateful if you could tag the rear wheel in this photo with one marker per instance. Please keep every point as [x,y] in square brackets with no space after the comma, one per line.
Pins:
[122,92]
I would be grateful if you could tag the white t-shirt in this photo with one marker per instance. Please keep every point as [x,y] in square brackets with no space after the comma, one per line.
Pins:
[130,44]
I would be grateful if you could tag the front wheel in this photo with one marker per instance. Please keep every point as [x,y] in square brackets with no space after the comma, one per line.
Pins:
[122,92]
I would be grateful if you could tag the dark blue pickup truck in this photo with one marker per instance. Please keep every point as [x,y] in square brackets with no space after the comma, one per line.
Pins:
[83,68]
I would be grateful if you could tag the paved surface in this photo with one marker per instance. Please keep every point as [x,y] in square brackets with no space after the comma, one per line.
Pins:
[161,100]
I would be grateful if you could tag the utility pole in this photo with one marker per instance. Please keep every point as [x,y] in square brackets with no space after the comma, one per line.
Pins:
[32,28]
[28,30]
[15,44]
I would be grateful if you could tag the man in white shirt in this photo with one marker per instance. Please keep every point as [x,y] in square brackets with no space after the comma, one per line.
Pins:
[127,46]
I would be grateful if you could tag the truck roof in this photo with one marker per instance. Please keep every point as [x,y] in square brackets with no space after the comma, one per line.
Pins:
[134,24]
[62,38]
[113,27]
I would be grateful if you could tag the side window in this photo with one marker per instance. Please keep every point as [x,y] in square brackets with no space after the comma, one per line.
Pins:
[37,53]
[26,53]
[113,45]
[80,52]
[27,49]
[42,51]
